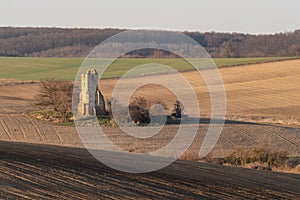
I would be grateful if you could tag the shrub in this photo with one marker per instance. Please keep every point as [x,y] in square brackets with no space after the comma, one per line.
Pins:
[139,110]
[277,159]
[238,157]
[232,159]
[260,155]
[178,109]
[293,162]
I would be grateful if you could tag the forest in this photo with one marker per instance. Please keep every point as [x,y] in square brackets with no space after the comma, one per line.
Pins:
[75,42]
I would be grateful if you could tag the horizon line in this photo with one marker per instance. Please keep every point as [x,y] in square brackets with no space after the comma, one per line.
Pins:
[149,28]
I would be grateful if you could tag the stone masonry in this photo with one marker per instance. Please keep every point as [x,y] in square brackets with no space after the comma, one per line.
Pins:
[91,99]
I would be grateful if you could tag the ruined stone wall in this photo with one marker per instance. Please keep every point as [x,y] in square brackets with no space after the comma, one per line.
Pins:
[88,95]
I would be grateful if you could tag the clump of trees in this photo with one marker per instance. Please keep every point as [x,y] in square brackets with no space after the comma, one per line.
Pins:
[56,95]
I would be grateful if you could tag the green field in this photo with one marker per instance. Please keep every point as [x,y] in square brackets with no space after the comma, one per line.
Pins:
[25,68]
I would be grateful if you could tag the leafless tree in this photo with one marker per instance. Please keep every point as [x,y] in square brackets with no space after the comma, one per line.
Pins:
[56,95]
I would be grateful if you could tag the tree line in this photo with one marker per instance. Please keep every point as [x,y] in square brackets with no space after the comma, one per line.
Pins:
[62,42]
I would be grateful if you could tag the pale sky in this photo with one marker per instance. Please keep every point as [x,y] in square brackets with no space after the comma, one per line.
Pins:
[247,16]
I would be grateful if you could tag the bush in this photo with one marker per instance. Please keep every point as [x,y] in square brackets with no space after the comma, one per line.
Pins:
[293,162]
[178,109]
[238,157]
[232,159]
[139,111]
[260,155]
[277,159]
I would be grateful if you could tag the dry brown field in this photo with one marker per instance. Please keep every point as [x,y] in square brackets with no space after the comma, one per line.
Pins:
[262,110]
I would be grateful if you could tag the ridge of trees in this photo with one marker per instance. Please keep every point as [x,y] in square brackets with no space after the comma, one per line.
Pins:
[75,42]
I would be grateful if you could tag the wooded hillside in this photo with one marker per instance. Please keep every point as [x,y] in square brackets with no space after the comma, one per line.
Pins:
[60,42]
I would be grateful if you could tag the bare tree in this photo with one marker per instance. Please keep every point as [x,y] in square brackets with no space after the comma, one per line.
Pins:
[294,50]
[56,95]
[229,49]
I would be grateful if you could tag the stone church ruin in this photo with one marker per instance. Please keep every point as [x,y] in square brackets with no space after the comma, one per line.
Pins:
[91,100]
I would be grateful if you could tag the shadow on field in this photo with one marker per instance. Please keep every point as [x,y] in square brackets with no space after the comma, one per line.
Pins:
[191,120]
[48,171]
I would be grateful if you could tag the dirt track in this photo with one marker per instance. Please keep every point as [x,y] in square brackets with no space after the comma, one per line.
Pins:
[51,172]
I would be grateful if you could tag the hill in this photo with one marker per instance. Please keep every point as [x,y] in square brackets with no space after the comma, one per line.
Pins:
[61,42]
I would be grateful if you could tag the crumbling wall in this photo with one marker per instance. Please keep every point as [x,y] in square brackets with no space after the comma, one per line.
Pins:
[91,99]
